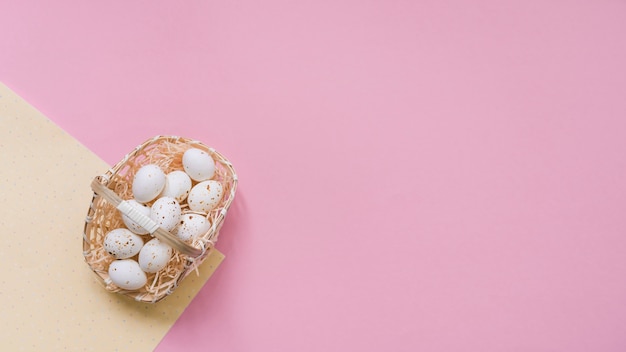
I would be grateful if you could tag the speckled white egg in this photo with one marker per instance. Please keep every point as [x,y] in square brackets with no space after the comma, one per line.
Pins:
[148,183]
[166,212]
[133,226]
[127,274]
[177,185]
[205,196]
[192,226]
[154,256]
[198,164]
[122,244]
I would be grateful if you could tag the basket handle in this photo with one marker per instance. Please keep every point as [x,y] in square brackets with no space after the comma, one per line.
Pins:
[147,223]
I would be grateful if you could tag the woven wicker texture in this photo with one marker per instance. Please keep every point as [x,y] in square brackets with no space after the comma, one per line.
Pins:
[116,185]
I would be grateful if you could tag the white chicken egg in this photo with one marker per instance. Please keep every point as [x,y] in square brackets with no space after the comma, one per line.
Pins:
[122,244]
[127,274]
[148,183]
[205,196]
[198,164]
[154,256]
[177,185]
[166,212]
[191,226]
[133,226]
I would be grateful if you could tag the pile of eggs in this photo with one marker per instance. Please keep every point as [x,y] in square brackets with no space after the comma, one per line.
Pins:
[168,192]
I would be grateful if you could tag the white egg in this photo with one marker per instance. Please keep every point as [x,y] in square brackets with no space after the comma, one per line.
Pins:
[133,226]
[127,274]
[205,196]
[198,164]
[148,183]
[122,244]
[166,212]
[177,185]
[192,226]
[154,256]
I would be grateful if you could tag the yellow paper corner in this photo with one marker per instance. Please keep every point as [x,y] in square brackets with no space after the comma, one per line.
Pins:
[51,299]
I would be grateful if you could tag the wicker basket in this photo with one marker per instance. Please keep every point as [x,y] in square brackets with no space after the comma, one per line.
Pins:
[107,206]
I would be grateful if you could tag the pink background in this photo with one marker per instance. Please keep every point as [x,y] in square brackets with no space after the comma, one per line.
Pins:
[415,175]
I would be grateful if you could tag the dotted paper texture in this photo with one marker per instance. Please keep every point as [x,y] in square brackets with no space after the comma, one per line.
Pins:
[51,300]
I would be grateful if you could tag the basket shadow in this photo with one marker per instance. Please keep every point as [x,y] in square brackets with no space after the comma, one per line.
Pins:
[223,281]
[235,225]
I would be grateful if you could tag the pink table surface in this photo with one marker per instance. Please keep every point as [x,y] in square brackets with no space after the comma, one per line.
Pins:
[415,175]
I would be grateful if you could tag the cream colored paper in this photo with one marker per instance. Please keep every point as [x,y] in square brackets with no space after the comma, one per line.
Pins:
[49,297]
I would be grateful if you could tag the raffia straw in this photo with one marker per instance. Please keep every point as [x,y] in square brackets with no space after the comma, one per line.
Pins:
[102,216]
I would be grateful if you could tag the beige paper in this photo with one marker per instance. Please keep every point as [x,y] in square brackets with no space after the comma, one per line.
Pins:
[49,298]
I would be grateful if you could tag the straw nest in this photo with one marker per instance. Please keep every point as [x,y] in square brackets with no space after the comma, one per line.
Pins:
[116,185]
